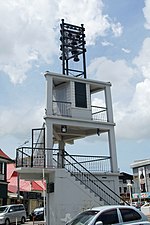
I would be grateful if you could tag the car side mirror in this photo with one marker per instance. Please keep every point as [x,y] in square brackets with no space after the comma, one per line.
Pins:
[99,223]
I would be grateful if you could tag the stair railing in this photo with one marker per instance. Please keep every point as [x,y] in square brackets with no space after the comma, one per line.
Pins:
[91,181]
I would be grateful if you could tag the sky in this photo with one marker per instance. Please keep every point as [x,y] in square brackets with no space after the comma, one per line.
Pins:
[118,51]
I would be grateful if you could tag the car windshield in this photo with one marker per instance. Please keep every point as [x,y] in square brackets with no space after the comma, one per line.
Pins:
[3,209]
[83,218]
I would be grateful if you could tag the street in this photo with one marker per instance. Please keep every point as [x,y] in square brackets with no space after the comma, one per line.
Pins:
[28,222]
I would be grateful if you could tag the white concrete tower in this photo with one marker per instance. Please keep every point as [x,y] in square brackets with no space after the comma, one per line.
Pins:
[69,105]
[71,116]
[72,184]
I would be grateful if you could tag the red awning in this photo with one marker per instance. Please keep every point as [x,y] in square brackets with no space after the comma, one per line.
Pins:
[27,186]
[11,171]
[13,185]
[37,186]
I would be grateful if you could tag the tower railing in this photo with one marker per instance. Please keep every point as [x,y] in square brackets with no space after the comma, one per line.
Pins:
[99,113]
[36,157]
[62,108]
[84,168]
[91,181]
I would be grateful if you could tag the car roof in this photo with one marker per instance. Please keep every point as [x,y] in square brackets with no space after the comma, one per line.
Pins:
[10,205]
[100,208]
[39,208]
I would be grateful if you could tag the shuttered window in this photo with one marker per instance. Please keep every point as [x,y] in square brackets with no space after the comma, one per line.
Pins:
[80,95]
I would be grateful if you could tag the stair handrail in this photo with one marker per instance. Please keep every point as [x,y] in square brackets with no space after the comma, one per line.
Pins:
[92,175]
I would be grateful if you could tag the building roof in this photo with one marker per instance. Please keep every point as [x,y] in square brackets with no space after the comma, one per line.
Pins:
[24,185]
[126,175]
[140,163]
[4,156]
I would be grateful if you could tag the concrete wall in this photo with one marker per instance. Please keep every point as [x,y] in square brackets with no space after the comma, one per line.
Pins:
[71,197]
[68,199]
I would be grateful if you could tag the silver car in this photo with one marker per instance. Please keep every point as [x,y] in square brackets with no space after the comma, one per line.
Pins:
[12,214]
[114,214]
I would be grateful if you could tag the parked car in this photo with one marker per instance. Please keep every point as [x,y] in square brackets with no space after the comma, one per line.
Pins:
[136,204]
[12,214]
[146,208]
[37,214]
[114,214]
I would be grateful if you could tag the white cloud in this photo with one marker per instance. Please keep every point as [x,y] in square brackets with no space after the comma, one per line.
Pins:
[133,121]
[146,11]
[126,50]
[117,29]
[142,61]
[130,92]
[90,13]
[117,72]
[29,30]
[18,122]
[106,43]
[130,100]
[26,35]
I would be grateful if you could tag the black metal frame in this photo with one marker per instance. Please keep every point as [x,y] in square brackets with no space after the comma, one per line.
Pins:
[72,46]
[36,143]
[76,168]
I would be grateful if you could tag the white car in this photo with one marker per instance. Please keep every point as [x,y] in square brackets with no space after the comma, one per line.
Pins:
[146,209]
[114,214]
[12,214]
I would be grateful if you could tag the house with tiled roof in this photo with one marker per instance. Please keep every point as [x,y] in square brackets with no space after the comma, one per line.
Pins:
[4,159]
[29,192]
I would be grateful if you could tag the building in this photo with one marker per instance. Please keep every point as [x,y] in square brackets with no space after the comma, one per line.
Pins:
[141,178]
[125,183]
[4,159]
[30,193]
[74,182]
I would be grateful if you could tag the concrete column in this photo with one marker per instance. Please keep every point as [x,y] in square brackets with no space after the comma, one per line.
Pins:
[109,104]
[49,94]
[49,142]
[112,150]
[61,154]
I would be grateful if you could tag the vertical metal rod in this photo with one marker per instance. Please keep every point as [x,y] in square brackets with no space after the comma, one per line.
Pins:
[63,52]
[44,193]
[83,46]
[32,149]
[18,187]
[44,146]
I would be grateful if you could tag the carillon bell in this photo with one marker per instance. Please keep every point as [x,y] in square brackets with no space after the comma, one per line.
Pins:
[76,58]
[72,47]
[74,51]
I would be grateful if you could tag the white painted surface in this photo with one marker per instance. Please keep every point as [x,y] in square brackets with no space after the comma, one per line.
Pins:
[69,198]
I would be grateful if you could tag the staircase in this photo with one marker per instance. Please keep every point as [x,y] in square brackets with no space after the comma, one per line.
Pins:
[76,169]
[90,181]
[35,157]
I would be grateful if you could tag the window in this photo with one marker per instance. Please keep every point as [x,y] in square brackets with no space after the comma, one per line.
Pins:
[18,207]
[80,95]
[109,217]
[2,167]
[129,215]
[125,189]
[83,218]
[11,209]
[21,207]
[2,171]
[120,189]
